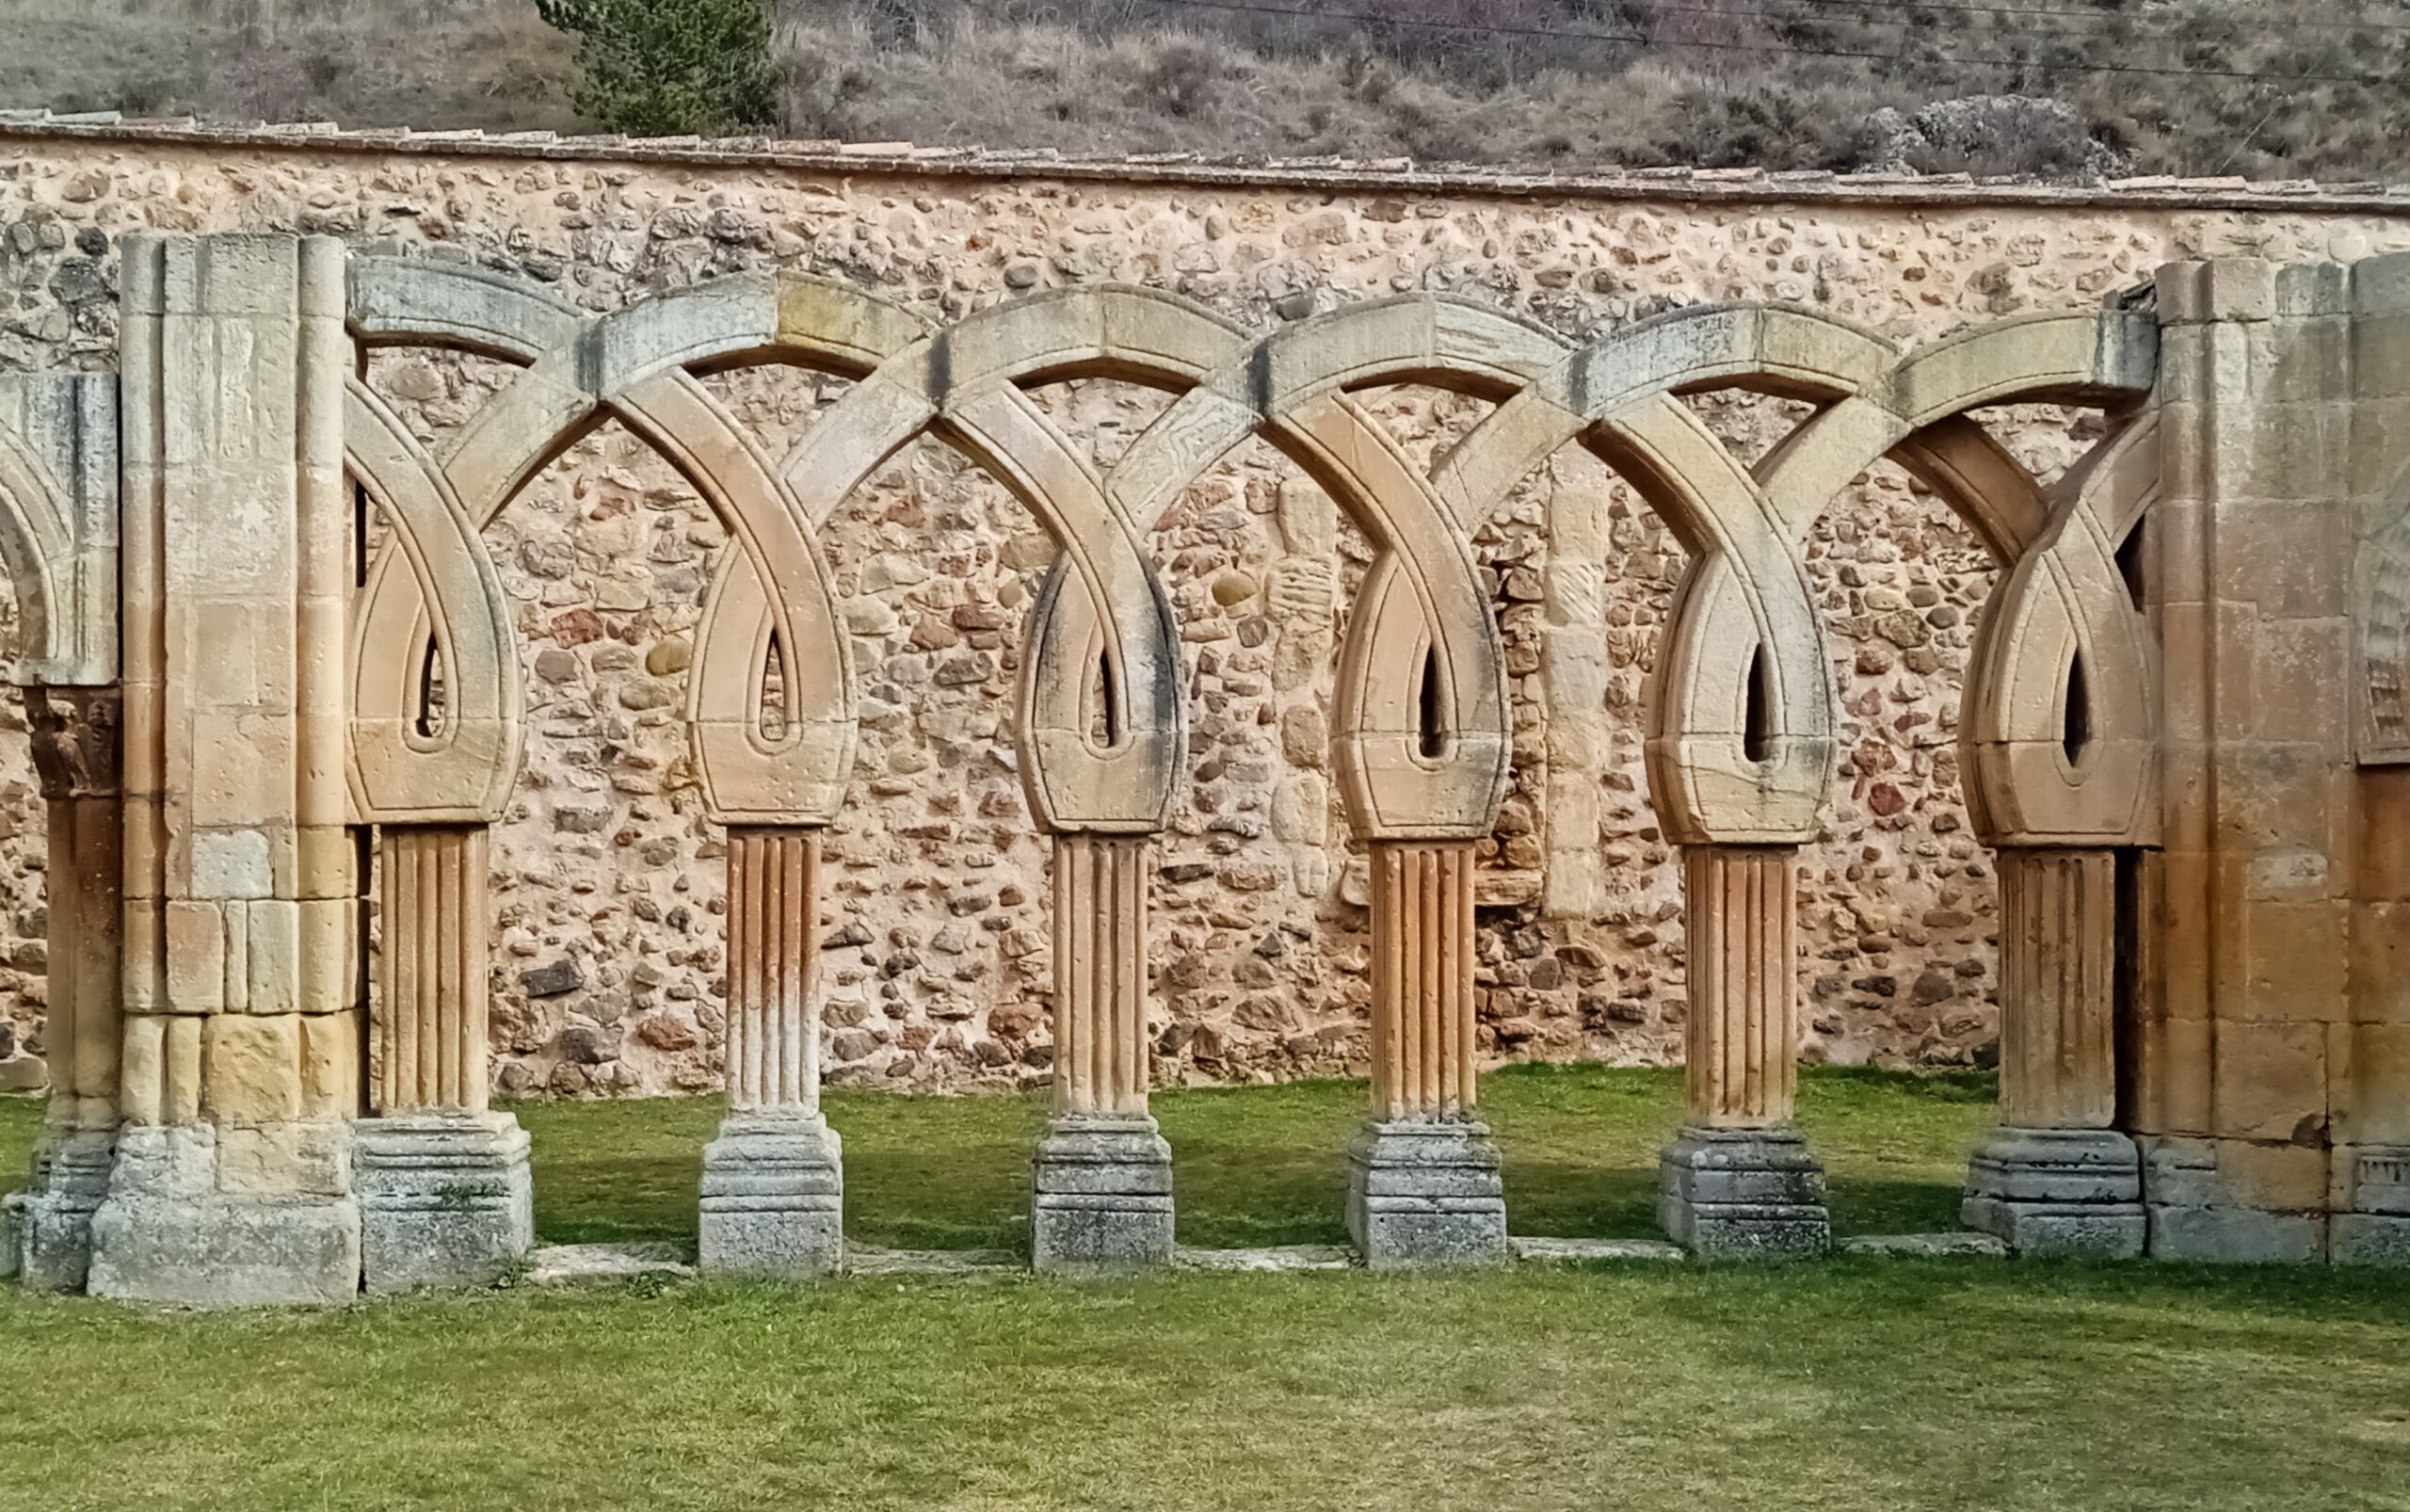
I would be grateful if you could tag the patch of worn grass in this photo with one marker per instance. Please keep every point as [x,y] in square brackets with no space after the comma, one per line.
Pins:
[1261,1166]
[1861,1385]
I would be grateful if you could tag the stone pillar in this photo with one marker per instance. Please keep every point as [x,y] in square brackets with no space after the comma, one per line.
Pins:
[2055,1178]
[240,1075]
[75,749]
[1423,1188]
[774,1185]
[445,1197]
[1101,1181]
[1739,1181]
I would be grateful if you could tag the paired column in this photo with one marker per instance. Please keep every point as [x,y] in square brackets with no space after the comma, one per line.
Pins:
[2056,1178]
[76,750]
[1739,1181]
[1423,1184]
[773,1200]
[1102,1180]
[445,1194]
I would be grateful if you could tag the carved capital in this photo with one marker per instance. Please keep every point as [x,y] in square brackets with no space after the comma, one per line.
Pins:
[75,740]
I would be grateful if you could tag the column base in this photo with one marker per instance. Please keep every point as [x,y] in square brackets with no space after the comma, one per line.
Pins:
[774,1198]
[52,1215]
[1426,1192]
[1100,1196]
[1744,1194]
[445,1200]
[2377,1231]
[166,1233]
[2058,1192]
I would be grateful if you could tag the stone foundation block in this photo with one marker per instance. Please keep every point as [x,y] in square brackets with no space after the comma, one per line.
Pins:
[2370,1239]
[774,1198]
[2191,1217]
[1426,1192]
[1744,1194]
[164,1233]
[445,1201]
[2058,1192]
[1100,1196]
[52,1247]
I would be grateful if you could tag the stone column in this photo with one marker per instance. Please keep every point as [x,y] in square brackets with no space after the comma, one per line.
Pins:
[240,1075]
[1101,1181]
[1739,1180]
[445,1197]
[2055,1178]
[773,1200]
[1423,1188]
[75,749]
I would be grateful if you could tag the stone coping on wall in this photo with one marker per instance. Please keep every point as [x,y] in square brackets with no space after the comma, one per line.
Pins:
[1742,186]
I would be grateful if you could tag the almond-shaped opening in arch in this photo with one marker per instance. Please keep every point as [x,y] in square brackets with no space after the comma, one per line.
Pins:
[2076,730]
[1104,708]
[2129,566]
[772,713]
[428,721]
[1756,719]
[1431,734]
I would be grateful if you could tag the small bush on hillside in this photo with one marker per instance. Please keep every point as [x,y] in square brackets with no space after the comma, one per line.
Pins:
[671,68]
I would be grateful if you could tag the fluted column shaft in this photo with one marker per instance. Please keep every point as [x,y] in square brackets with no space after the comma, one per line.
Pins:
[2058,978]
[1425,1062]
[772,1022]
[1101,974]
[429,1024]
[1739,903]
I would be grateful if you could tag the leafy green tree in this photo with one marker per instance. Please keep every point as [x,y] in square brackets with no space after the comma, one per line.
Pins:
[671,68]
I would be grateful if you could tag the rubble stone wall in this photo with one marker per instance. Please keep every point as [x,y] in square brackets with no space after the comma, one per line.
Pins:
[609,941]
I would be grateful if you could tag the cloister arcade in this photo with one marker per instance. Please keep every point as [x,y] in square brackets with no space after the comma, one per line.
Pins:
[245,716]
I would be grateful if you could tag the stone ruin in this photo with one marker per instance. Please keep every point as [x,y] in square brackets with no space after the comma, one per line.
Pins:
[276,690]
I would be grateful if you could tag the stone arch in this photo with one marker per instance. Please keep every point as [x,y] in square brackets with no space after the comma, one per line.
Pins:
[639,365]
[964,385]
[58,493]
[1421,598]
[400,769]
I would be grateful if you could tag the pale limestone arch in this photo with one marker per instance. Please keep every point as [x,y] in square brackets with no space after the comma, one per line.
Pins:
[1741,714]
[638,366]
[2029,781]
[965,385]
[1421,598]
[59,526]
[2063,649]
[408,764]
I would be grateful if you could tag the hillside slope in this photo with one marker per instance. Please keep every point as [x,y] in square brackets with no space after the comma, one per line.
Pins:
[2269,89]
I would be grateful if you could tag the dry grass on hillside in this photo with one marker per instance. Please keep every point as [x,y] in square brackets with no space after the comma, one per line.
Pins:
[1986,85]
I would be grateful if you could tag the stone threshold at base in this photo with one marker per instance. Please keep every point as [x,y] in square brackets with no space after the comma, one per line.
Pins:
[565,1264]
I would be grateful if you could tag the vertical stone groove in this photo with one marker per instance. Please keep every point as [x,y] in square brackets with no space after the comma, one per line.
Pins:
[429,1025]
[2058,988]
[1101,1062]
[773,1032]
[1423,1061]
[1740,904]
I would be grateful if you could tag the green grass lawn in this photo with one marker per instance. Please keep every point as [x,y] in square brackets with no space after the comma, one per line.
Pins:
[1262,1165]
[1853,1384]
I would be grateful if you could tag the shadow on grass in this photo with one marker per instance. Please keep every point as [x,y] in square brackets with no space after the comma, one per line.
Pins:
[1256,1165]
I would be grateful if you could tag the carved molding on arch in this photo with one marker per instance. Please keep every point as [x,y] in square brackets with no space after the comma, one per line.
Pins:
[638,365]
[2381,634]
[2060,728]
[437,705]
[58,525]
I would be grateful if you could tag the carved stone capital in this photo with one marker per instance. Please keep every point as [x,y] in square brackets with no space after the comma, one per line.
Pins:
[75,740]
